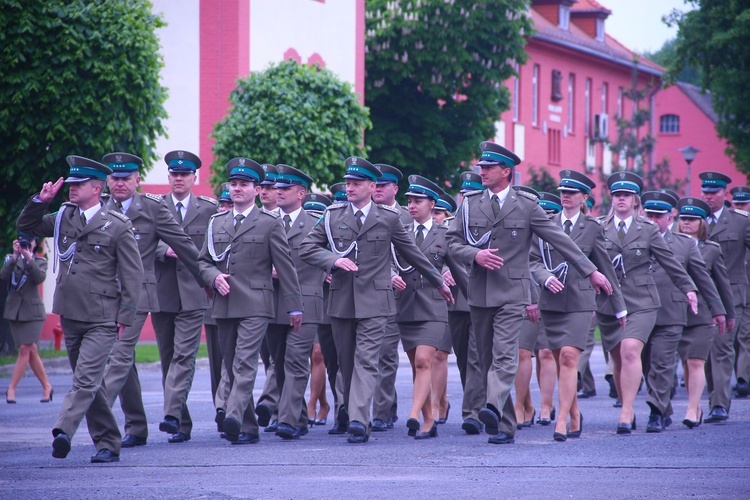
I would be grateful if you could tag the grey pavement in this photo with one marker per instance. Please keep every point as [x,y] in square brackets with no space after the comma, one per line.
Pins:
[712,461]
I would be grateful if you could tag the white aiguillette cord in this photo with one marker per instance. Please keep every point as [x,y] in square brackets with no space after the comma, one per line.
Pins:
[61,256]
[338,253]
[618,261]
[561,271]
[211,247]
[467,234]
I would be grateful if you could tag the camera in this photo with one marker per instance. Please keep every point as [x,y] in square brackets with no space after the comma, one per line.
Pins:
[25,244]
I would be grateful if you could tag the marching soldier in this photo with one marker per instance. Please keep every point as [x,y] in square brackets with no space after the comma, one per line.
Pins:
[740,201]
[499,277]
[338,192]
[240,249]
[96,295]
[152,221]
[385,404]
[182,301]
[731,229]
[359,235]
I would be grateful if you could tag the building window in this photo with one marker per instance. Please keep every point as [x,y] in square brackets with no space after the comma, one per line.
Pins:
[535,97]
[564,16]
[587,108]
[554,142]
[516,93]
[669,124]
[619,103]
[571,103]
[600,30]
[605,96]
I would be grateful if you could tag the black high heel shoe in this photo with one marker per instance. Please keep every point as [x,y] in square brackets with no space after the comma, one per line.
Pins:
[560,437]
[693,423]
[429,434]
[625,429]
[49,399]
[447,412]
[413,425]
[577,434]
[9,401]
[529,423]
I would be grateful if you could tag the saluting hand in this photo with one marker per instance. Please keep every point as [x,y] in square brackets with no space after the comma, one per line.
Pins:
[295,321]
[445,292]
[693,301]
[398,283]
[345,264]
[721,322]
[50,190]
[600,283]
[221,285]
[487,259]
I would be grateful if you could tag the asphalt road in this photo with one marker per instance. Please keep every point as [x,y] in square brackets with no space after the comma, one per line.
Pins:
[712,461]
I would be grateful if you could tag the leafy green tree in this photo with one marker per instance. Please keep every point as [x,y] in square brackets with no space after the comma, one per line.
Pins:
[303,116]
[541,180]
[665,56]
[79,77]
[715,37]
[435,78]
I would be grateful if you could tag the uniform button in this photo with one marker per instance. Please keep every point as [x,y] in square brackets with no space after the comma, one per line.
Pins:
[356,275]
[80,249]
[359,238]
[179,268]
[75,262]
[231,274]
[72,272]
[494,237]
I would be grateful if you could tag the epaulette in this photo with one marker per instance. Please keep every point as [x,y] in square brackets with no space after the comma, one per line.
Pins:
[593,219]
[268,212]
[217,214]
[210,200]
[390,209]
[741,212]
[69,204]
[472,193]
[105,197]
[153,197]
[682,235]
[530,196]
[709,242]
[119,215]
[646,221]
[337,205]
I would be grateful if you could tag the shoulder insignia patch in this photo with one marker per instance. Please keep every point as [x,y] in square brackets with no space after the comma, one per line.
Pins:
[153,197]
[594,219]
[119,215]
[646,221]
[390,209]
[218,214]
[709,242]
[530,196]
[472,193]
[269,213]
[210,200]
[337,205]
[741,212]
[69,204]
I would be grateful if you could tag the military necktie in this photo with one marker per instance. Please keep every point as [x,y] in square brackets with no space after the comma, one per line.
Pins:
[495,205]
[179,212]
[567,225]
[238,220]
[621,230]
[711,223]
[287,223]
[358,214]
[119,206]
[83,219]
[420,235]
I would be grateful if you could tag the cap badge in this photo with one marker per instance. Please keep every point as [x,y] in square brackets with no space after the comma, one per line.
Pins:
[118,158]
[242,162]
[689,201]
[180,154]
[710,175]
[354,160]
[566,173]
[313,197]
[622,175]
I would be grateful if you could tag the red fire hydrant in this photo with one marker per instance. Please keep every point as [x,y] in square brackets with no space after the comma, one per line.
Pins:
[58,336]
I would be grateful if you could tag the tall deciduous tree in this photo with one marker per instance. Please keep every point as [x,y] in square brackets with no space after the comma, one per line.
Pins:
[716,38]
[303,116]
[78,77]
[435,78]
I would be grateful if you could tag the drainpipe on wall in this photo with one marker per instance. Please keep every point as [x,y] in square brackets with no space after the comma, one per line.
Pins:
[651,122]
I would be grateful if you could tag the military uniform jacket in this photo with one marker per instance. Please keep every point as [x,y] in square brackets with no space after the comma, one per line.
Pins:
[366,293]
[420,301]
[152,221]
[578,294]
[518,219]
[310,277]
[732,232]
[714,260]
[634,266]
[674,306]
[258,244]
[101,280]
[24,277]
[172,274]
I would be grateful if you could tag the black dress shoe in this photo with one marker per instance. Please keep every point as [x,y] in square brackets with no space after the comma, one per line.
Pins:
[272,427]
[356,428]
[690,424]
[302,431]
[618,403]
[52,393]
[105,456]
[490,419]
[343,417]
[655,423]
[586,394]
[170,425]
[717,414]
[337,430]
[379,426]
[246,438]
[61,445]
[560,437]
[221,414]
[612,387]
[357,439]
[131,441]
[286,431]
[179,437]
[264,414]
[432,433]
[389,423]
[626,429]
[231,429]
[742,388]
[413,425]
[577,434]
[667,421]
[471,426]
[501,438]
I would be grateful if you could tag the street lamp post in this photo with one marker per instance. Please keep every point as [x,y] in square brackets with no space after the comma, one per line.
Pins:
[688,152]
